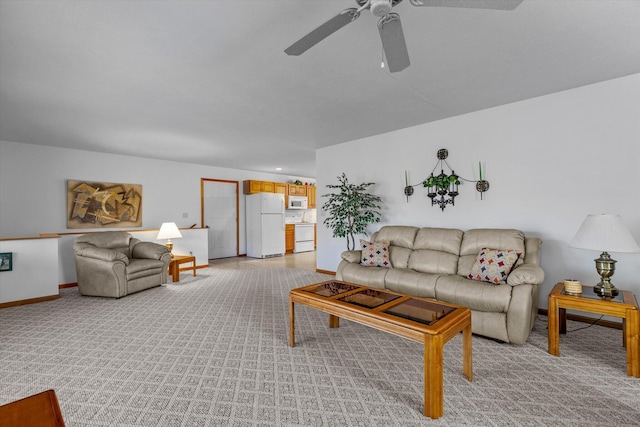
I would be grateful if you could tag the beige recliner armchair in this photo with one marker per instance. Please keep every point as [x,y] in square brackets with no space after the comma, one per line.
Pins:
[115,264]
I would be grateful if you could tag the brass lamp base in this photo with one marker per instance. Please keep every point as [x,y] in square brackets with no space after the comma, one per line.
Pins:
[606,292]
[169,245]
[605,266]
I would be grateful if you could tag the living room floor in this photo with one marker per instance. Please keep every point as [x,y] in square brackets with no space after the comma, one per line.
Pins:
[302,261]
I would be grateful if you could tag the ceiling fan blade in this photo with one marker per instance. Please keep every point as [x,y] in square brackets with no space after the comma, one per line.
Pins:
[473,4]
[323,31]
[393,43]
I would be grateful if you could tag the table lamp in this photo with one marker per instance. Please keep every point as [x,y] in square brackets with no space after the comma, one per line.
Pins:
[604,232]
[169,230]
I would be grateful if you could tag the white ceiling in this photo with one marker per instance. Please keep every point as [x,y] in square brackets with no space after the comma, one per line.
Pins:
[208,82]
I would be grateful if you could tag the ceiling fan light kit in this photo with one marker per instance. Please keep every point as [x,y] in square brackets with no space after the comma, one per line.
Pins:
[389,25]
[380,7]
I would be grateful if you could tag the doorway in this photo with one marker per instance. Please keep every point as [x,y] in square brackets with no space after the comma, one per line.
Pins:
[220,215]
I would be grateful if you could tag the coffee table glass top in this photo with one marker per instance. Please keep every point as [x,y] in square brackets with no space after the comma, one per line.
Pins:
[369,298]
[328,289]
[418,310]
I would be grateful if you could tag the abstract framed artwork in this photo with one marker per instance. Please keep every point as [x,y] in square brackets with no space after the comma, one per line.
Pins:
[6,261]
[103,204]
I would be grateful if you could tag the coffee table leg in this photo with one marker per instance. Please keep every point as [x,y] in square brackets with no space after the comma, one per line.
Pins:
[292,319]
[467,353]
[334,321]
[553,332]
[433,376]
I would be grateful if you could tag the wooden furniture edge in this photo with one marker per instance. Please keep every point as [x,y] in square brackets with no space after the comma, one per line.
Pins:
[28,301]
[586,319]
[321,271]
[41,236]
[135,230]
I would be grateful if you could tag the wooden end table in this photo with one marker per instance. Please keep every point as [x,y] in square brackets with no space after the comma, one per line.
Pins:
[174,265]
[624,306]
[422,320]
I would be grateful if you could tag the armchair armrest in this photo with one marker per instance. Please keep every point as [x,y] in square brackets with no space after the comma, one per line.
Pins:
[352,256]
[526,274]
[149,250]
[102,254]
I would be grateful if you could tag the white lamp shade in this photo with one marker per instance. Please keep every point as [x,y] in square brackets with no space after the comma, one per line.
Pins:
[604,232]
[168,230]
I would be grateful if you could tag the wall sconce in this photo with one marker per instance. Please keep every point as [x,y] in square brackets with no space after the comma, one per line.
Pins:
[443,188]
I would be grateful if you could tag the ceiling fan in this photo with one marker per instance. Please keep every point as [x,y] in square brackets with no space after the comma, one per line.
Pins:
[389,26]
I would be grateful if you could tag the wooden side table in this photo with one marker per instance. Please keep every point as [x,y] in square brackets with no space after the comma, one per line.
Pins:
[624,306]
[174,265]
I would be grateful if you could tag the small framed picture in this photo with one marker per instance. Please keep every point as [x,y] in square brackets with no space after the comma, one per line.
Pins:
[6,261]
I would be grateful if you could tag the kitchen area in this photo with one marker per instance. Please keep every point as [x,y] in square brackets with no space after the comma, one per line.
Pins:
[294,206]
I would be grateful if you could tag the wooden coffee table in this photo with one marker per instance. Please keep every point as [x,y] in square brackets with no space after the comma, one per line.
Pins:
[418,319]
[624,306]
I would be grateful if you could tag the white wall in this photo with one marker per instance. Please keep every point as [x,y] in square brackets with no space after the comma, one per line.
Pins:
[34,272]
[550,161]
[33,187]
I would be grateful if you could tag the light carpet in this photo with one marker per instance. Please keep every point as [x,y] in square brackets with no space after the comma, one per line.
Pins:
[213,350]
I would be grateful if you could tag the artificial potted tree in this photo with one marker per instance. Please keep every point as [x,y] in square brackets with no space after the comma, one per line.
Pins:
[351,209]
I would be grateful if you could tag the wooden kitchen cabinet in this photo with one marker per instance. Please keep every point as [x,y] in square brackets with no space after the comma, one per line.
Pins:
[281,188]
[289,238]
[311,196]
[253,186]
[297,190]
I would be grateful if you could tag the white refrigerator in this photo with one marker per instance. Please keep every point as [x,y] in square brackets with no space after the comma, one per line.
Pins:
[265,225]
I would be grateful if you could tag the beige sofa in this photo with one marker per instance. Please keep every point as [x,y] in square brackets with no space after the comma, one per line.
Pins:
[115,264]
[435,262]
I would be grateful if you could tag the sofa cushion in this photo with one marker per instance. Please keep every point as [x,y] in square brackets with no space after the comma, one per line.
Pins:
[396,235]
[143,267]
[399,256]
[411,282]
[439,239]
[434,262]
[375,254]
[478,296]
[493,265]
[369,276]
[474,240]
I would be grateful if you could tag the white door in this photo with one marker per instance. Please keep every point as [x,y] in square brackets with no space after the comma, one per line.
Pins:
[220,215]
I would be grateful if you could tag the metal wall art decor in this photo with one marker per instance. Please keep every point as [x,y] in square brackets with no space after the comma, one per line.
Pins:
[103,204]
[442,189]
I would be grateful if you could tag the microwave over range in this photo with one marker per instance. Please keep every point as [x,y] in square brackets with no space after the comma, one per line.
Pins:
[297,202]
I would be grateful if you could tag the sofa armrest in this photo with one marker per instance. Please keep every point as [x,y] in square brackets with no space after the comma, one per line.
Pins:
[526,274]
[149,250]
[352,256]
[101,254]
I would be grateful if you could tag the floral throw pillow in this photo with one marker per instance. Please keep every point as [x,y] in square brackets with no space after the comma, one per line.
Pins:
[375,254]
[493,265]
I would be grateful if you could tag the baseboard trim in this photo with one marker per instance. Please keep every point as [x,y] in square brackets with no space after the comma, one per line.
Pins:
[585,319]
[318,270]
[68,285]
[28,301]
